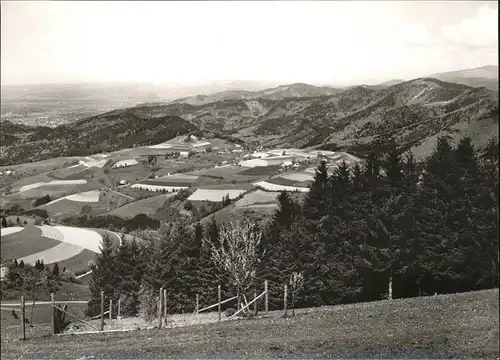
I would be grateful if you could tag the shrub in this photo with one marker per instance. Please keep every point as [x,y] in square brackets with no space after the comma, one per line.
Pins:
[67,275]
[86,209]
[15,209]
[188,205]
[148,307]
[38,212]
[129,304]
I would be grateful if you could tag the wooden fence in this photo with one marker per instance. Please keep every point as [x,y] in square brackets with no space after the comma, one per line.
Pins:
[60,314]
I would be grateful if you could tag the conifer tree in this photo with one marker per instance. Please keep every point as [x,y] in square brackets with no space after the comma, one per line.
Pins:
[103,277]
[277,259]
[129,271]
[55,270]
[314,204]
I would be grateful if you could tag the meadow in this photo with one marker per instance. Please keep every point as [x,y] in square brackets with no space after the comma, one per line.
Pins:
[69,247]
[463,325]
[145,206]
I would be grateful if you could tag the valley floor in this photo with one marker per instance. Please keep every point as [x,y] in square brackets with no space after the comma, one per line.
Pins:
[444,326]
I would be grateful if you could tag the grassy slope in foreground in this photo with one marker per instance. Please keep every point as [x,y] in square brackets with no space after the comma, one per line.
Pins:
[447,326]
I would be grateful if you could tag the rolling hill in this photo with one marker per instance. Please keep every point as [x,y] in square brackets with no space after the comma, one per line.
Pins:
[413,113]
[484,76]
[297,90]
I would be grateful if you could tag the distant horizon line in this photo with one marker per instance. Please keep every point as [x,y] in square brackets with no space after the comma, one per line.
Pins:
[228,82]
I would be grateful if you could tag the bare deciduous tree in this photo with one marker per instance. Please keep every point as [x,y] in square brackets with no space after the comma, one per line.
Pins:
[237,255]
[36,281]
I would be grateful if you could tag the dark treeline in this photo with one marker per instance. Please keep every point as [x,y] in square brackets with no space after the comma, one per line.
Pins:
[424,228]
[138,222]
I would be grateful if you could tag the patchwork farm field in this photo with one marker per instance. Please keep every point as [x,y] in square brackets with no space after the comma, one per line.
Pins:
[145,206]
[27,241]
[169,182]
[215,195]
[70,247]
[43,166]
[26,181]
[261,170]
[125,163]
[230,174]
[298,176]
[458,326]
[55,189]
[257,197]
[259,212]
[98,201]
[281,180]
[223,171]
[71,204]
[79,262]
[271,186]
[153,150]
[229,186]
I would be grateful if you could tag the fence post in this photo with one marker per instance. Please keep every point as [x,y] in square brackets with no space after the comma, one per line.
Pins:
[197,304]
[284,300]
[165,305]
[53,319]
[390,288]
[110,309]
[219,304]
[266,289]
[255,303]
[160,307]
[23,324]
[119,308]
[102,310]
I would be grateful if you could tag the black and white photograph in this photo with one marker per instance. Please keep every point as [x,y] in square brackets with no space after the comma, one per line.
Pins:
[249,180]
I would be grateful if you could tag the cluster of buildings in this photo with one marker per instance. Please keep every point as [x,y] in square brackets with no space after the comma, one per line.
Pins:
[294,157]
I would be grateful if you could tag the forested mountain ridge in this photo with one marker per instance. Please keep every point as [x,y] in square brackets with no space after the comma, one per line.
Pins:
[108,132]
[412,113]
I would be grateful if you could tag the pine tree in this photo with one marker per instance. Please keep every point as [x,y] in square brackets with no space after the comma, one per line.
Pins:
[314,204]
[55,270]
[278,256]
[488,225]
[129,271]
[188,268]
[103,277]
[432,241]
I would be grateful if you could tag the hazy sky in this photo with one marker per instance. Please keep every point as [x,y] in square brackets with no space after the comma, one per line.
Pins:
[315,42]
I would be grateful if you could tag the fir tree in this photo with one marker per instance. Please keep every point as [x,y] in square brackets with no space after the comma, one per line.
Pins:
[314,204]
[103,277]
[55,270]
